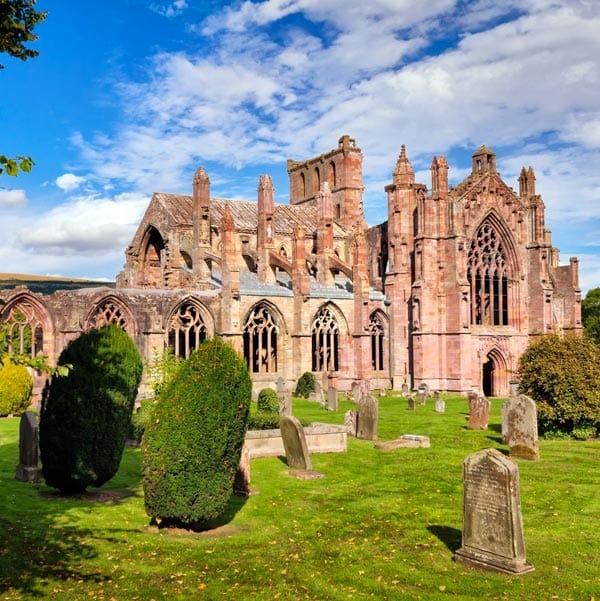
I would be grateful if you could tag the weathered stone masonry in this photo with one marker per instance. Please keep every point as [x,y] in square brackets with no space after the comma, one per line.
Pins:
[447,292]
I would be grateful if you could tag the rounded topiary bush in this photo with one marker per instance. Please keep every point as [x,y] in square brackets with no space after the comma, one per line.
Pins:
[268,401]
[191,449]
[85,415]
[15,388]
[562,375]
[305,385]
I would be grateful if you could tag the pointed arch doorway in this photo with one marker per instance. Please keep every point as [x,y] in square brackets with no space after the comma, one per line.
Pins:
[494,374]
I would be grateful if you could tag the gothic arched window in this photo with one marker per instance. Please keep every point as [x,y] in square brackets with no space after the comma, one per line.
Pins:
[186,330]
[24,332]
[260,341]
[488,277]
[109,311]
[325,341]
[377,331]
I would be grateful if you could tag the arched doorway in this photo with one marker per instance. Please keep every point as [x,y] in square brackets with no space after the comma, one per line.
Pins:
[494,380]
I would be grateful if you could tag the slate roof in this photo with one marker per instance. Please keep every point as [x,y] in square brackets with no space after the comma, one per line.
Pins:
[245,214]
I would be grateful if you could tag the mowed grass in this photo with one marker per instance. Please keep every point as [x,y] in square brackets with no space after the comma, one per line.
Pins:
[380,525]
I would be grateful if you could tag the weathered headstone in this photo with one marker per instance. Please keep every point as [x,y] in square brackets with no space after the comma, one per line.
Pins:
[365,389]
[332,399]
[514,387]
[421,396]
[368,418]
[404,389]
[521,427]
[294,443]
[440,405]
[285,398]
[241,482]
[504,408]
[479,412]
[317,395]
[356,392]
[350,421]
[492,535]
[411,402]
[27,468]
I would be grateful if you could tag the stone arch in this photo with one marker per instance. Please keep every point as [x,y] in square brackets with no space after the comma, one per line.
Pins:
[379,332]
[262,337]
[152,254]
[30,330]
[331,176]
[111,309]
[494,373]
[492,267]
[316,180]
[187,326]
[328,326]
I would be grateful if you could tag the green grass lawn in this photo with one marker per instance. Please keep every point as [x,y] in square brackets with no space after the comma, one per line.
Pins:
[380,525]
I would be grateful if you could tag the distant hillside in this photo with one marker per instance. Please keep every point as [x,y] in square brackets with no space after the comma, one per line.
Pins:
[47,284]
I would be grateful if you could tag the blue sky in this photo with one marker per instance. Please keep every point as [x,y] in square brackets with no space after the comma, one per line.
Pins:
[130,97]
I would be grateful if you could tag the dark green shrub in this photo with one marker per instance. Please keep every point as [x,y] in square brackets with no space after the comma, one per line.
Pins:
[305,385]
[268,401]
[264,421]
[563,376]
[192,447]
[16,386]
[85,415]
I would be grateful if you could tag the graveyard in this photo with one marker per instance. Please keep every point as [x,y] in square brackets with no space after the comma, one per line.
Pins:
[381,523]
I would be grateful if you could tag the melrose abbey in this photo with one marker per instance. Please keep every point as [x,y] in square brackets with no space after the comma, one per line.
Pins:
[448,292]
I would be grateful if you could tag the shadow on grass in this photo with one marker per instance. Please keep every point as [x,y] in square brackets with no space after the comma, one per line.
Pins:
[451,537]
[34,547]
[37,542]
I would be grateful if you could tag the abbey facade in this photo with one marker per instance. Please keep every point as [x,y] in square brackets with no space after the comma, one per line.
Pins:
[448,291]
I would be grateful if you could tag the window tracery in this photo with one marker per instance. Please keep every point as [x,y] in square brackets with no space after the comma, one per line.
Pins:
[488,277]
[325,341]
[24,335]
[260,341]
[186,330]
[109,311]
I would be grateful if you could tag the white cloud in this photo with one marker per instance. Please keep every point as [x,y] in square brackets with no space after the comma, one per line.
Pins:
[169,9]
[69,182]
[12,198]
[86,225]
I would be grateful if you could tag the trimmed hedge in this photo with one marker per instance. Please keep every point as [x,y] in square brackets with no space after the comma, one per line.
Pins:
[191,449]
[85,416]
[562,375]
[268,401]
[16,386]
[305,385]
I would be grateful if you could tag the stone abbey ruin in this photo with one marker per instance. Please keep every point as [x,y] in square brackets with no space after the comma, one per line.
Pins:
[447,292]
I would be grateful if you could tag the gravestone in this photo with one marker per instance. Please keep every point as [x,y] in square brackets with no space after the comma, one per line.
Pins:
[440,405]
[317,395]
[332,399]
[411,402]
[514,387]
[294,443]
[404,389]
[479,412]
[350,421]
[241,482]
[406,441]
[368,418]
[521,427]
[421,396]
[27,468]
[365,389]
[285,398]
[356,392]
[492,535]
[504,408]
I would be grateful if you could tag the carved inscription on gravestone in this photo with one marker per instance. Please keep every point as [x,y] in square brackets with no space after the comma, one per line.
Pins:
[492,536]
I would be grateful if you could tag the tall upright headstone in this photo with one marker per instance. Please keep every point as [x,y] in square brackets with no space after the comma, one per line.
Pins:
[332,399]
[350,421]
[294,443]
[368,418]
[29,454]
[492,535]
[479,412]
[521,427]
[285,398]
